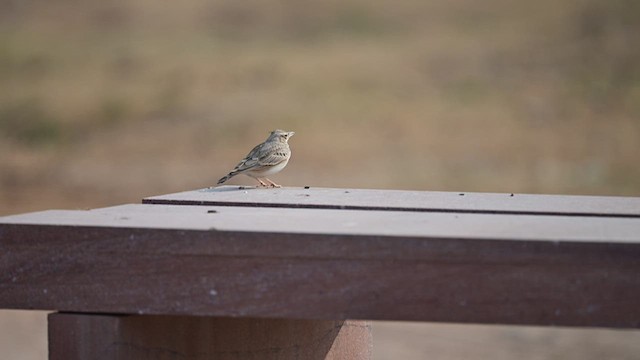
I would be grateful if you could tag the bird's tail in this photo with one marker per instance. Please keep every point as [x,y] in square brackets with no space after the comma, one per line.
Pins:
[227,177]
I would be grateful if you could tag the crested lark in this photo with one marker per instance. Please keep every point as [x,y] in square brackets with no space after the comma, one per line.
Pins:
[265,159]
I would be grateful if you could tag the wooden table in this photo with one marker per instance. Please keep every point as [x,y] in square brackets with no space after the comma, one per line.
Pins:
[232,272]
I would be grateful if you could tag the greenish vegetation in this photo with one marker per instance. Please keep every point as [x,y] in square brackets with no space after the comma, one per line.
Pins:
[28,123]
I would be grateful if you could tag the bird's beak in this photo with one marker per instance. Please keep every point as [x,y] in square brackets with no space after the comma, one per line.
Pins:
[291,133]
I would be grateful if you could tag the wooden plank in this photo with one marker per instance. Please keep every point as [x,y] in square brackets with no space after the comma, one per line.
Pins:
[352,222]
[122,337]
[273,263]
[400,200]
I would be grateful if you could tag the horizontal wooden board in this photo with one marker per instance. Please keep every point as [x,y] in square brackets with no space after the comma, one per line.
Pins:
[400,200]
[343,222]
[324,264]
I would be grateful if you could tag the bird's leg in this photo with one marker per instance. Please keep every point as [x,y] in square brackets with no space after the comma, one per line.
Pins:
[262,183]
[272,183]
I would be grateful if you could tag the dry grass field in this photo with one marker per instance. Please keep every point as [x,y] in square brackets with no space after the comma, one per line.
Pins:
[105,102]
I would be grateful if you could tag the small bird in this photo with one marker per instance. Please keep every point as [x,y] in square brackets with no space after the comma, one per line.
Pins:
[265,159]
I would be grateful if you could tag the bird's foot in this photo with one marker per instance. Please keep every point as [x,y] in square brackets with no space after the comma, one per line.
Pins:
[272,184]
[262,184]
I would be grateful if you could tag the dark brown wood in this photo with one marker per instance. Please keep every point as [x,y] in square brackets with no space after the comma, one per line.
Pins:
[123,337]
[250,264]
[402,200]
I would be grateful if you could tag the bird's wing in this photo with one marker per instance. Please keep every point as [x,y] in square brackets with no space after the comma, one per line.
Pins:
[252,160]
[273,154]
[263,155]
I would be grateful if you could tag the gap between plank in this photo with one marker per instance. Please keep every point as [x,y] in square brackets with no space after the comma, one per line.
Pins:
[382,208]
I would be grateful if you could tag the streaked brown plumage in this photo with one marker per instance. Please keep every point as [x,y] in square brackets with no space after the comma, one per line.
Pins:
[265,159]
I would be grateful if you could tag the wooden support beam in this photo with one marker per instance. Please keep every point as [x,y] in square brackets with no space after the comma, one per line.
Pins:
[146,337]
[330,266]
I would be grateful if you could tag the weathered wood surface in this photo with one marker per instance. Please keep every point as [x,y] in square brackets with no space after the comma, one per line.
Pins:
[345,222]
[401,200]
[100,337]
[326,264]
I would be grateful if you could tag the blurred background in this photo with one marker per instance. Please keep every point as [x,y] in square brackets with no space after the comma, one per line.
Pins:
[106,102]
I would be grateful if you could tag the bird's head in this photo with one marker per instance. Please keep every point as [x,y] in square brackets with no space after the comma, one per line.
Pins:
[281,135]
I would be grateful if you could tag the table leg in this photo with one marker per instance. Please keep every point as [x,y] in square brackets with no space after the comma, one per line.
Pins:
[74,336]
